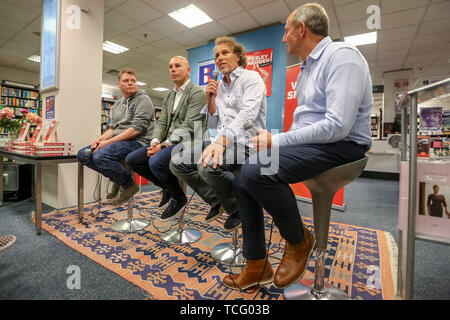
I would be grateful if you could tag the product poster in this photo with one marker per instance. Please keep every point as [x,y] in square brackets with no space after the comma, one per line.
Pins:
[432,200]
[431,119]
[446,121]
[290,105]
[50,108]
[205,72]
[261,62]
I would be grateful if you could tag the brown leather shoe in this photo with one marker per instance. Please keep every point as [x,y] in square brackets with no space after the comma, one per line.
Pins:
[294,262]
[251,275]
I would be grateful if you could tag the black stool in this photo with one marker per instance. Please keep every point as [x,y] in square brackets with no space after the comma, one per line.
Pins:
[323,188]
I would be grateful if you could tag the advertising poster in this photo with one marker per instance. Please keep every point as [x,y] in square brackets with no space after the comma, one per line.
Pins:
[205,72]
[290,104]
[446,121]
[431,120]
[261,62]
[400,90]
[433,195]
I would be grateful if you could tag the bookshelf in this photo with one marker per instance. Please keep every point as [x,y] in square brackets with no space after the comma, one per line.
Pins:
[374,126]
[107,104]
[19,97]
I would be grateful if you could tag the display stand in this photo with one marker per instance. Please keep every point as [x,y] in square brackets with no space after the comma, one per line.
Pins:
[438,89]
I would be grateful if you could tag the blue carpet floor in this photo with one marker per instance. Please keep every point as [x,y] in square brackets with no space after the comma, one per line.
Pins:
[35,267]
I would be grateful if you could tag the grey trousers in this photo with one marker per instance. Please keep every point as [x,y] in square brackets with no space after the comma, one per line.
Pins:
[214,186]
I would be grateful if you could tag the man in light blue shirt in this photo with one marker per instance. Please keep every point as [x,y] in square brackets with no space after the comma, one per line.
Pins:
[331,127]
[239,99]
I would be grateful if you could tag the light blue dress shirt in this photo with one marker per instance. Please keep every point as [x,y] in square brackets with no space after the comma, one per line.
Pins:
[241,102]
[334,94]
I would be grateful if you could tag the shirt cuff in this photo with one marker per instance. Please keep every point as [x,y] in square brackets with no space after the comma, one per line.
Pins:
[278,140]
[154,140]
[169,143]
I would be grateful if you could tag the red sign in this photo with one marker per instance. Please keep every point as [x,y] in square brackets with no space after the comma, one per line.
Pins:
[289,107]
[261,62]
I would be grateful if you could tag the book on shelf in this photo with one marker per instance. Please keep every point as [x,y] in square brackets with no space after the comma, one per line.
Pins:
[423,146]
[430,120]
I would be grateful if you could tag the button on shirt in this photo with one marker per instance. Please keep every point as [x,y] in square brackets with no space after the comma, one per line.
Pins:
[334,94]
[241,102]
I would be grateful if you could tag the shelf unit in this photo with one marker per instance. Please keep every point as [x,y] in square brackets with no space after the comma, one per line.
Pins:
[374,126]
[107,104]
[157,112]
[408,237]
[19,97]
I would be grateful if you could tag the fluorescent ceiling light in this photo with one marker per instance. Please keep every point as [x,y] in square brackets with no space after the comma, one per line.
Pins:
[34,58]
[113,47]
[141,83]
[190,16]
[160,89]
[362,39]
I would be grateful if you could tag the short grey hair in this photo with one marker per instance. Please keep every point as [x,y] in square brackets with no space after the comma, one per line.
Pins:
[127,70]
[315,18]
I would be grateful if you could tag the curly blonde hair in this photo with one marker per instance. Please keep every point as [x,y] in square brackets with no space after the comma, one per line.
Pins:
[237,49]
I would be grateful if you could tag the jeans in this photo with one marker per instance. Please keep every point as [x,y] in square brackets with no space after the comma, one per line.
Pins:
[107,160]
[156,169]
[214,186]
[255,190]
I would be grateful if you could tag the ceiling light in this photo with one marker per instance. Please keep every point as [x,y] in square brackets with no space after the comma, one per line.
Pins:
[362,39]
[160,89]
[34,58]
[113,47]
[190,16]
[141,83]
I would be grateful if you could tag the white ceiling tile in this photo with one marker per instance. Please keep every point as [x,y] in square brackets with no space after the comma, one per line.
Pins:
[120,62]
[352,28]
[421,57]
[8,60]
[149,50]
[395,45]
[139,11]
[438,11]
[28,65]
[390,6]
[211,30]
[443,37]
[431,27]
[335,33]
[119,22]
[189,39]
[420,50]
[342,2]
[249,4]
[239,22]
[270,13]
[167,26]
[145,34]
[166,56]
[113,3]
[408,32]
[294,4]
[217,9]
[393,54]
[11,25]
[167,44]
[31,5]
[168,6]
[20,49]
[127,41]
[134,55]
[17,13]
[354,11]
[403,18]
[109,33]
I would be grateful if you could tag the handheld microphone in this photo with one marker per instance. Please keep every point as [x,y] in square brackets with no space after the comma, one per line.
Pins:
[215,75]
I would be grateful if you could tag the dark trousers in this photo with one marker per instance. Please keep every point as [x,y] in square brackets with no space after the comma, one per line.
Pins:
[156,169]
[107,160]
[256,188]
[214,186]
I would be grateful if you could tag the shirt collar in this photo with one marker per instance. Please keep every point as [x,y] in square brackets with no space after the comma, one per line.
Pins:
[236,73]
[182,87]
[319,49]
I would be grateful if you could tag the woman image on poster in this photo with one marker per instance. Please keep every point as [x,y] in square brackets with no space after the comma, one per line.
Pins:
[436,203]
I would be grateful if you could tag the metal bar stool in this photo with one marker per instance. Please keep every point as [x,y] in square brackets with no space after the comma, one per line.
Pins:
[130,224]
[323,188]
[181,235]
[230,254]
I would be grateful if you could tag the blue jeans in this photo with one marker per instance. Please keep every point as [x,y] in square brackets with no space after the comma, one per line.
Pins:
[107,160]
[156,169]
[255,191]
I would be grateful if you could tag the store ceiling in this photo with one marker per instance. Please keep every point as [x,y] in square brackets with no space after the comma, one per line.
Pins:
[414,33]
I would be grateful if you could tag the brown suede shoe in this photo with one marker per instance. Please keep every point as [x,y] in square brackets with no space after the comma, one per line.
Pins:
[251,275]
[114,191]
[294,262]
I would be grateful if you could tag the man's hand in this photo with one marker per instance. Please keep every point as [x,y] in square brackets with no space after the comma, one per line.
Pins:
[100,144]
[214,150]
[211,88]
[262,141]
[155,148]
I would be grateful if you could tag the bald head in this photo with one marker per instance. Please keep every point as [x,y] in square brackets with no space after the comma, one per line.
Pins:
[179,70]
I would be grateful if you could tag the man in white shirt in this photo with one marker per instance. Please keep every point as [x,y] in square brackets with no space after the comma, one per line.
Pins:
[180,109]
[236,101]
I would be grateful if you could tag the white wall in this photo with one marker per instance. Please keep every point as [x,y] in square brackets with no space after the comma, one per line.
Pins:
[8,73]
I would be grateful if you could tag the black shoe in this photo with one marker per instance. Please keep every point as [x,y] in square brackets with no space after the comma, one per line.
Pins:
[165,198]
[214,213]
[174,209]
[233,222]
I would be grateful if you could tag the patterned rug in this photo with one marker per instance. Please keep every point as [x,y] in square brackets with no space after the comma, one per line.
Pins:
[359,261]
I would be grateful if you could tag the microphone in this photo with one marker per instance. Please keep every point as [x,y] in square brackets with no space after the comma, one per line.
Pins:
[215,75]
